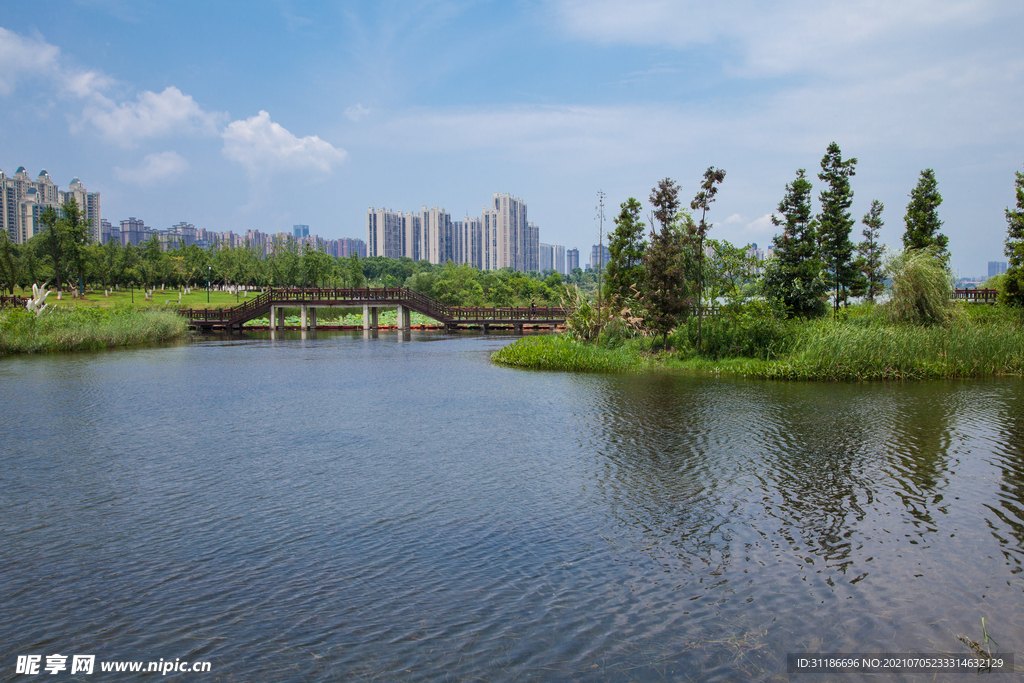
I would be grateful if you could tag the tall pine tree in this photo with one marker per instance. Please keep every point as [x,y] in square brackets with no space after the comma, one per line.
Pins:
[1013,292]
[835,222]
[665,263]
[922,218]
[626,251]
[794,274]
[871,250]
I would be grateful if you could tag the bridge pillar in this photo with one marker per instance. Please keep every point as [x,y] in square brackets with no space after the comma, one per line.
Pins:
[273,317]
[487,328]
[312,318]
[366,317]
[302,318]
[404,317]
[373,317]
[517,328]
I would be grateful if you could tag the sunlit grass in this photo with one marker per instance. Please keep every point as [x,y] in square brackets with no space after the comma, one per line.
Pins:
[558,352]
[86,328]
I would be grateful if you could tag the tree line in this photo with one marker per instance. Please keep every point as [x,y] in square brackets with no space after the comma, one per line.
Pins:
[677,271]
[62,254]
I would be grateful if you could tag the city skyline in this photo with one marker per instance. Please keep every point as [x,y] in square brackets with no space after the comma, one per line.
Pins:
[335,109]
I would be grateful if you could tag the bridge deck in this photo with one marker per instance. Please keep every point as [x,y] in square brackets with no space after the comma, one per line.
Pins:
[449,316]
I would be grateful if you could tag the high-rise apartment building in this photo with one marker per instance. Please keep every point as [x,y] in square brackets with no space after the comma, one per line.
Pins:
[300,231]
[500,237]
[599,257]
[23,200]
[996,268]
[559,264]
[572,260]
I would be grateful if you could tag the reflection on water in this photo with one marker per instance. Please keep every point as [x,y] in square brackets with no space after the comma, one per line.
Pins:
[342,505]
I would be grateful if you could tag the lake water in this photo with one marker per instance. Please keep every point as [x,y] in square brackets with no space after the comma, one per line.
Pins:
[350,508]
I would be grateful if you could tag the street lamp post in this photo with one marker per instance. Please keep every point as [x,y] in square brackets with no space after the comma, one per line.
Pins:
[208,272]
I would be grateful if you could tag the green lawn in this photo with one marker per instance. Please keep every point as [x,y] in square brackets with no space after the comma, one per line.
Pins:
[197,299]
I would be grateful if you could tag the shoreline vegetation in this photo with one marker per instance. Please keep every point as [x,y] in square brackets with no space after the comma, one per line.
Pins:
[978,341]
[87,329]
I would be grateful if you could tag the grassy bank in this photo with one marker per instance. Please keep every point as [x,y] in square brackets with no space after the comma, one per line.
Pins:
[558,352]
[80,329]
[974,344]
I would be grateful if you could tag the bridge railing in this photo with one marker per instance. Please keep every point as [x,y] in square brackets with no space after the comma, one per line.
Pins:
[389,295]
[13,301]
[987,296]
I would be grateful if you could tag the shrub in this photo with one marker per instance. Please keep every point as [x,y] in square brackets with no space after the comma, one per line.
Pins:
[922,287]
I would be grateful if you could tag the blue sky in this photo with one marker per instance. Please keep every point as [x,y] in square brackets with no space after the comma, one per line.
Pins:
[267,114]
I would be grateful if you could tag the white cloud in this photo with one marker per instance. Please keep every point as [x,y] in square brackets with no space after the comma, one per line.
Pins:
[24,57]
[155,168]
[357,112]
[263,147]
[734,218]
[777,37]
[762,225]
[151,115]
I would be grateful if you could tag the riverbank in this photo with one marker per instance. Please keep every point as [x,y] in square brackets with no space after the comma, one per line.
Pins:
[83,329]
[811,350]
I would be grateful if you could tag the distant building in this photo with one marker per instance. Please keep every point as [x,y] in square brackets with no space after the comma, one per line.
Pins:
[599,257]
[500,237]
[572,260]
[551,257]
[996,268]
[300,231]
[23,200]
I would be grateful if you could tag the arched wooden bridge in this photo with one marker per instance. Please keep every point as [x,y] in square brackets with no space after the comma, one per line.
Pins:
[405,300]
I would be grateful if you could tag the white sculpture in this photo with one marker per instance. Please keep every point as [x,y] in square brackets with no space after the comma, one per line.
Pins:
[35,303]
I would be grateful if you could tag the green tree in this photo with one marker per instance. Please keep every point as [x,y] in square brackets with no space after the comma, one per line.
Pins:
[9,262]
[922,218]
[794,275]
[77,237]
[703,201]
[626,251]
[835,222]
[51,241]
[355,271]
[871,251]
[1013,289]
[665,293]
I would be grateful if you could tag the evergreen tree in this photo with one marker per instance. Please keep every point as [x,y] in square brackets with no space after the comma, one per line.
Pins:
[703,201]
[665,263]
[626,251]
[835,222]
[794,274]
[871,251]
[922,218]
[1013,291]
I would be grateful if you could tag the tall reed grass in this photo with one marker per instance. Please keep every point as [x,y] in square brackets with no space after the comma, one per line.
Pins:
[80,329]
[558,352]
[829,351]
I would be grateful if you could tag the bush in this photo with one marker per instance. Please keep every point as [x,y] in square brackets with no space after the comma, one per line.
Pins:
[756,329]
[922,288]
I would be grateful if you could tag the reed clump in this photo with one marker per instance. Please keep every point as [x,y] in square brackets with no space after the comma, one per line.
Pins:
[558,352]
[960,349]
[82,329]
